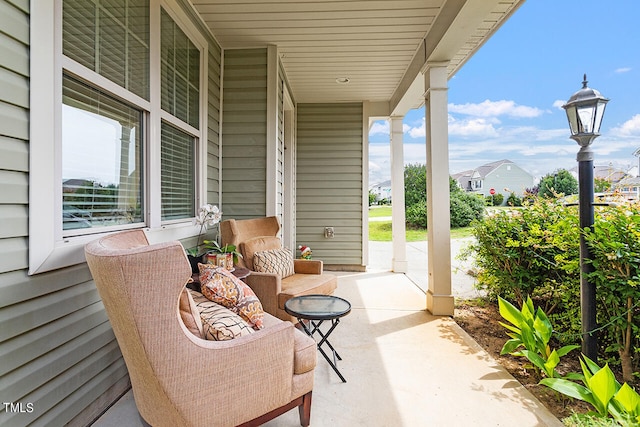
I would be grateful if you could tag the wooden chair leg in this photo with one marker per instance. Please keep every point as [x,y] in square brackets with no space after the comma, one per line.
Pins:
[305,410]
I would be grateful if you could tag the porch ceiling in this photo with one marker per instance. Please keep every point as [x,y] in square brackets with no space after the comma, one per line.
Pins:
[379,45]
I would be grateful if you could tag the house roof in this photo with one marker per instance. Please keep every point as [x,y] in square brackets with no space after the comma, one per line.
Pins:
[605,172]
[379,46]
[481,171]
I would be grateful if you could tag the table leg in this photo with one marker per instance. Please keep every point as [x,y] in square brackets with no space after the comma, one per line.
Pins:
[315,328]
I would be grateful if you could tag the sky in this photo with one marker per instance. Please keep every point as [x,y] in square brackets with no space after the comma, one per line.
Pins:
[506,101]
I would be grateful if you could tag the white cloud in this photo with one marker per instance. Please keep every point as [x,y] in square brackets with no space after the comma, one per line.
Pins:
[629,128]
[623,70]
[558,104]
[478,128]
[416,132]
[381,127]
[489,108]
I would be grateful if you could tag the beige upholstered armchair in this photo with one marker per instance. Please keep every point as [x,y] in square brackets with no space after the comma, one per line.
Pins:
[253,237]
[178,378]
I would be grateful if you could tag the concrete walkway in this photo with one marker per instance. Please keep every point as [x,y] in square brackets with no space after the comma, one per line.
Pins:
[462,284]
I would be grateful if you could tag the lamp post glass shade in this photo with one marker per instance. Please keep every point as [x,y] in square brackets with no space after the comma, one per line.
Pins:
[585,110]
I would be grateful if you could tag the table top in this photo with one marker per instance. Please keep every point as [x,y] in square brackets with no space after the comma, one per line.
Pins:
[317,307]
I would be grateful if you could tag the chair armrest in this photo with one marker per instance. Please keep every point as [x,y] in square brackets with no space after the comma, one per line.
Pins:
[267,287]
[307,266]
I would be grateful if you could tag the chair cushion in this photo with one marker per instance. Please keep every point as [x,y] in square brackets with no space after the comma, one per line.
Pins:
[257,244]
[189,314]
[306,284]
[278,261]
[218,322]
[305,352]
[305,349]
[221,286]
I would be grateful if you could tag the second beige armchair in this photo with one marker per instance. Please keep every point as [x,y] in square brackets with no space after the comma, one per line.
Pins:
[272,280]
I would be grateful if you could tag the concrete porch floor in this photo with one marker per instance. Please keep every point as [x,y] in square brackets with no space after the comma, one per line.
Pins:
[404,367]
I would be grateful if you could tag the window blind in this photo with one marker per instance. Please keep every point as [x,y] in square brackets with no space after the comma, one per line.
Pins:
[110,37]
[179,73]
[177,173]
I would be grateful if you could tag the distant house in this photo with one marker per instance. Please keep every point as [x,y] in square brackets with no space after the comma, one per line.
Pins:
[503,176]
[382,190]
[605,172]
[628,187]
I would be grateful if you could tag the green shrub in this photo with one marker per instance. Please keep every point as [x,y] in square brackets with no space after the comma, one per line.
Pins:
[514,200]
[531,251]
[615,249]
[465,208]
[495,200]
[416,215]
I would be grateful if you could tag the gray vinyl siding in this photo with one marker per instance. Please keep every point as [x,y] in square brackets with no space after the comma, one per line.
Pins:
[505,180]
[329,181]
[56,345]
[57,348]
[213,131]
[244,140]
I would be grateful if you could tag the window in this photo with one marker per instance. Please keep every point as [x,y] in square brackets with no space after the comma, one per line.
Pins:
[101,160]
[117,105]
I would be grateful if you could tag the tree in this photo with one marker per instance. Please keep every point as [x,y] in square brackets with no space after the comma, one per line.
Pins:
[559,182]
[601,185]
[464,207]
[415,184]
[372,198]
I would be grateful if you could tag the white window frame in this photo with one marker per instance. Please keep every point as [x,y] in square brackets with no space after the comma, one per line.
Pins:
[48,249]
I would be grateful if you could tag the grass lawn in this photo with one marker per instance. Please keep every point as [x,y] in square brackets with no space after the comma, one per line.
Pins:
[380,231]
[378,211]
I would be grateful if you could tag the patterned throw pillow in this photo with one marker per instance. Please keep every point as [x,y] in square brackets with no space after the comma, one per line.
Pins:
[218,322]
[219,285]
[278,261]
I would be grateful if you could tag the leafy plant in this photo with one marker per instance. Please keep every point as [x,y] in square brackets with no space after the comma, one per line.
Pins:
[601,390]
[530,332]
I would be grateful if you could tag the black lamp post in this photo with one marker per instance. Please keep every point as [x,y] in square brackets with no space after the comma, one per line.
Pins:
[585,110]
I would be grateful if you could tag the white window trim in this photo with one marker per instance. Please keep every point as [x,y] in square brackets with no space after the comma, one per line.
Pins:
[48,250]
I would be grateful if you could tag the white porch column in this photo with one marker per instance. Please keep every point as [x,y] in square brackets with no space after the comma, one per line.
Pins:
[399,239]
[439,298]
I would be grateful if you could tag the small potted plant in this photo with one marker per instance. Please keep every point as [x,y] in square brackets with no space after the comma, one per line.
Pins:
[225,256]
[208,216]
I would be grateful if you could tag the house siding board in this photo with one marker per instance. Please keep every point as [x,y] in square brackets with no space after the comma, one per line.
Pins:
[244,133]
[14,154]
[15,120]
[56,344]
[15,88]
[329,181]
[14,221]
